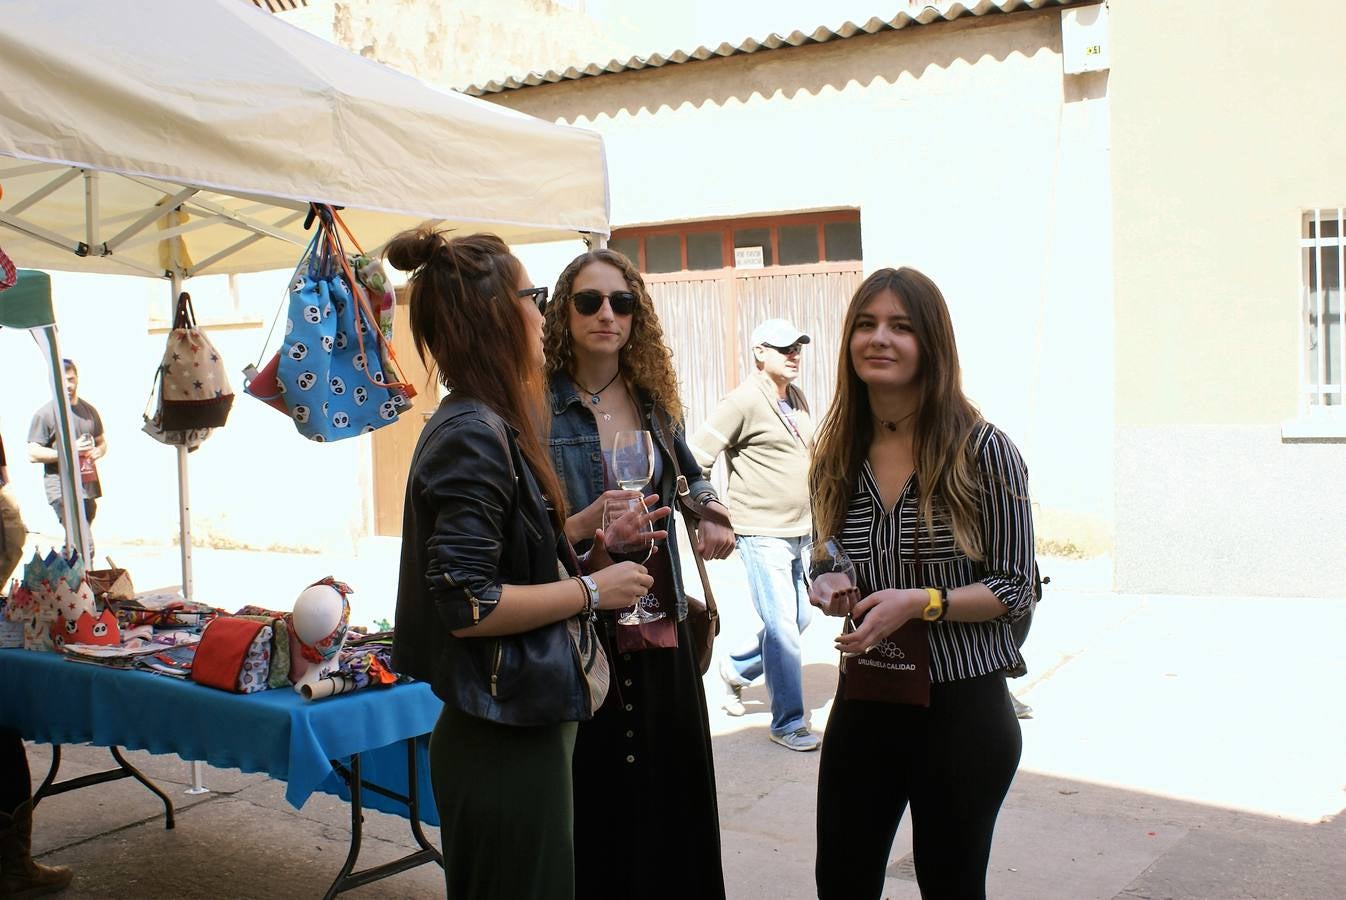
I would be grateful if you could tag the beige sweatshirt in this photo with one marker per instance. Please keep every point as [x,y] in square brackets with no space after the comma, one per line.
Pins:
[768,462]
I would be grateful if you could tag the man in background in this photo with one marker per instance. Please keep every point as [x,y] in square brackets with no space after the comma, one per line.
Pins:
[764,429]
[90,444]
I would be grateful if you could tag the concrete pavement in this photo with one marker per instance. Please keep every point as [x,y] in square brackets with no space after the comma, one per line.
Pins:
[1181,747]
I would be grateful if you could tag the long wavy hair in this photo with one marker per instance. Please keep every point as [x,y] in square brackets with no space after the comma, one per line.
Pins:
[946,467]
[465,319]
[644,360]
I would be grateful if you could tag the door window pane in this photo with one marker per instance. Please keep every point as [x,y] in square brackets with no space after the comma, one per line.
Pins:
[663,253]
[841,240]
[628,247]
[755,237]
[705,250]
[798,244]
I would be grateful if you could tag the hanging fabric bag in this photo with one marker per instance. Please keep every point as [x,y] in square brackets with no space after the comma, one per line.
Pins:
[335,370]
[194,387]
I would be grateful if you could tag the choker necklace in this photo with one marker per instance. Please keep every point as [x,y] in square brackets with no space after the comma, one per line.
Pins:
[594,395]
[892,426]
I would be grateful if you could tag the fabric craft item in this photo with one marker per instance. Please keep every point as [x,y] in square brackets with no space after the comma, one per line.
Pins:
[280,642]
[325,648]
[9,274]
[54,587]
[194,391]
[328,686]
[99,630]
[19,614]
[234,654]
[111,583]
[332,363]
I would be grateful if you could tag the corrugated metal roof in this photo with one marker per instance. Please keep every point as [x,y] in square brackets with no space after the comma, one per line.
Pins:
[943,11]
[276,6]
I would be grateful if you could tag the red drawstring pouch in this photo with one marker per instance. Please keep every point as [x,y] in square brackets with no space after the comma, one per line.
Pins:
[234,655]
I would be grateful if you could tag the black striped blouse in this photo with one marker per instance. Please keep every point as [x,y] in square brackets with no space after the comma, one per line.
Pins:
[880,544]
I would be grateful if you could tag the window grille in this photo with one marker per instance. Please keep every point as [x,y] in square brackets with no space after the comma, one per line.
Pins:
[1322,274]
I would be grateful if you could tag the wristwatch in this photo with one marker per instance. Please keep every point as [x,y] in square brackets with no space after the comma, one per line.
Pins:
[591,587]
[934,606]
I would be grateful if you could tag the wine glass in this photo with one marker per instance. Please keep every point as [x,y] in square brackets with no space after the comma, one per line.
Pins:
[632,459]
[629,537]
[826,556]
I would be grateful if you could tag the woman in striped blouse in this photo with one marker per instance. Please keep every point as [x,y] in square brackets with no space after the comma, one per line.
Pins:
[930,503]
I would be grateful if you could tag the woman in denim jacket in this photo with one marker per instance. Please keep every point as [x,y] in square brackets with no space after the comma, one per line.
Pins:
[480,590]
[646,819]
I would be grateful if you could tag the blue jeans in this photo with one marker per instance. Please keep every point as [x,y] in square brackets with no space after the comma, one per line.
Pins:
[776,582]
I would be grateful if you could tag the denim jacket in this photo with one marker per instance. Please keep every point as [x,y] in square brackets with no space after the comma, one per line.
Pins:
[577,456]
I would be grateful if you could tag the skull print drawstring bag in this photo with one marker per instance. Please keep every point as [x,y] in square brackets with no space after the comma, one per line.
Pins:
[335,373]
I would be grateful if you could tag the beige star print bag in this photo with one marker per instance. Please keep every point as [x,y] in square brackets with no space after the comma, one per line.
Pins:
[194,390]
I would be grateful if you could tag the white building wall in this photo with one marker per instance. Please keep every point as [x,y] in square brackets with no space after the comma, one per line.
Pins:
[969,157]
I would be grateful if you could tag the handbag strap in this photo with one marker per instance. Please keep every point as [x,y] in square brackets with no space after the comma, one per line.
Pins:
[361,298]
[684,497]
[184,316]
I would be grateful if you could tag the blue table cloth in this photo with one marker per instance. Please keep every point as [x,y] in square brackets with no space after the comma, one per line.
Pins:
[52,700]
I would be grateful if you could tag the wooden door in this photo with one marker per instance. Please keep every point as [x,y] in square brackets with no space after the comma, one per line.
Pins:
[394,445]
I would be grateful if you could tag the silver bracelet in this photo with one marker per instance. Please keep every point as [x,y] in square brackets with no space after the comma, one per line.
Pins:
[591,587]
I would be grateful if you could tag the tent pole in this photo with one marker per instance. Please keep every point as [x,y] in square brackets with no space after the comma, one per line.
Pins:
[77,532]
[185,525]
[184,488]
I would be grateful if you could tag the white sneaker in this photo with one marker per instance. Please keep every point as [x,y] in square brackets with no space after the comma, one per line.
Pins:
[733,687]
[801,739]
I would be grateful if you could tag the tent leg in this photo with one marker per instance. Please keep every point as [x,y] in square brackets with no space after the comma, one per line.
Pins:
[185,523]
[78,535]
[198,787]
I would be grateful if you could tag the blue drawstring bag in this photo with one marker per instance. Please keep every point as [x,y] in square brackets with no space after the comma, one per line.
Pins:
[333,370]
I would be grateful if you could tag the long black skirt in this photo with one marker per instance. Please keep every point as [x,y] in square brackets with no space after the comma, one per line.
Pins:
[647,823]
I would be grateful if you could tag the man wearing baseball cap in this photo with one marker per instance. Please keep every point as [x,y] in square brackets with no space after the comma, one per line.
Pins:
[764,429]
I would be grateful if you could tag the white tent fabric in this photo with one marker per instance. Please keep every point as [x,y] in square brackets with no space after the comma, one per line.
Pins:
[113,114]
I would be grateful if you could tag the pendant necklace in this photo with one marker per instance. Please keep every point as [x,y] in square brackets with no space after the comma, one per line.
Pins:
[892,426]
[594,397]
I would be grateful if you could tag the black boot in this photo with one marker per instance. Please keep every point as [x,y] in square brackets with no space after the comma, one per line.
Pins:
[19,875]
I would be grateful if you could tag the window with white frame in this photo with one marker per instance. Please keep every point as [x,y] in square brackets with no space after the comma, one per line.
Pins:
[1322,261]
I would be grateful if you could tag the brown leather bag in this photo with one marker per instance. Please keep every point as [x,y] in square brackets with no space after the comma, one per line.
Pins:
[703,617]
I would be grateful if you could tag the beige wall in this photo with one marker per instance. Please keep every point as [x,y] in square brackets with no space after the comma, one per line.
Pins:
[1225,127]
[969,156]
[458,43]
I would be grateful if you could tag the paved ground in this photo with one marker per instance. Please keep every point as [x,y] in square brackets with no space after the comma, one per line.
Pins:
[1181,748]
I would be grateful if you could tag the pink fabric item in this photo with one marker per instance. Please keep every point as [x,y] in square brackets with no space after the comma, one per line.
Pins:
[8,274]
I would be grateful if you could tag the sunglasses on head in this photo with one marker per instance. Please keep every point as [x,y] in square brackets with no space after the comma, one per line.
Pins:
[787,351]
[538,296]
[589,302]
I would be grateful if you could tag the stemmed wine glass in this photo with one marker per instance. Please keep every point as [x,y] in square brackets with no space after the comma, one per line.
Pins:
[629,533]
[825,556]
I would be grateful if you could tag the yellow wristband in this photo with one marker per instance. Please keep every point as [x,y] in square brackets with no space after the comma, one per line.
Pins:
[935,607]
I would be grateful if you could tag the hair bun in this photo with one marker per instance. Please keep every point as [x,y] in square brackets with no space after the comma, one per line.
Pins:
[413,248]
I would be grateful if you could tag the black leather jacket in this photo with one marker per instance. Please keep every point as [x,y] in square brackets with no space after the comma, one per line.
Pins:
[475,519]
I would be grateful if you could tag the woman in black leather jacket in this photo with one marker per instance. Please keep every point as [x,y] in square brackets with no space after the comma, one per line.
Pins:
[483,599]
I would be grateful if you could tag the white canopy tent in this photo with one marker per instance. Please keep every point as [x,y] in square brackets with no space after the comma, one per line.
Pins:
[175,139]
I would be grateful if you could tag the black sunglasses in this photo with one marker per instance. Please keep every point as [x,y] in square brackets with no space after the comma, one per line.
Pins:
[787,351]
[589,302]
[538,295]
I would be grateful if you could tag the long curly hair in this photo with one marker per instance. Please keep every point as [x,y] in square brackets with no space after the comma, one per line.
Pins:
[465,319]
[947,475]
[645,360]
